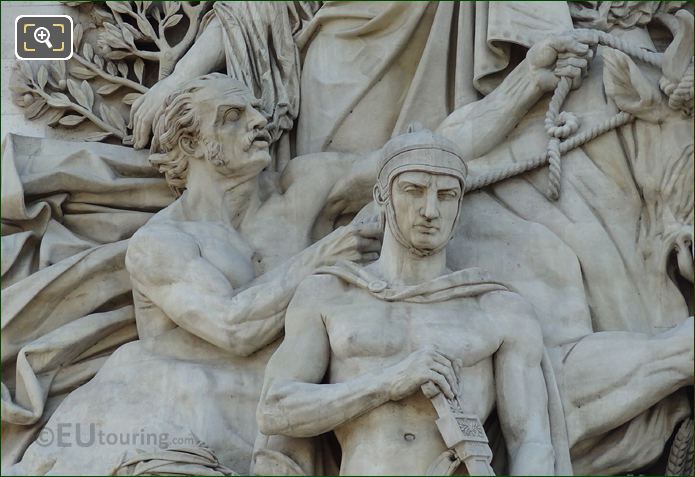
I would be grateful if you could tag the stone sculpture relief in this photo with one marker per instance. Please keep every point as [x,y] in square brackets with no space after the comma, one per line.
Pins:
[375,335]
[145,291]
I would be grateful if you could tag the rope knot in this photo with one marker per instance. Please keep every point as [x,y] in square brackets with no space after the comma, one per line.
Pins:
[564,125]
[680,94]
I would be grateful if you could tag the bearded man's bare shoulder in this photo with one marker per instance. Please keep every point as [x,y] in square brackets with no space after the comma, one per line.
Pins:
[160,246]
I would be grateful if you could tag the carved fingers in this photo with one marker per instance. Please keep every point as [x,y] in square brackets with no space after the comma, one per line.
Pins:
[426,366]
[144,111]
[358,243]
[572,67]
[566,55]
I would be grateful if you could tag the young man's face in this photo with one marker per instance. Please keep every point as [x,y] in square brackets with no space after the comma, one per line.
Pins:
[425,206]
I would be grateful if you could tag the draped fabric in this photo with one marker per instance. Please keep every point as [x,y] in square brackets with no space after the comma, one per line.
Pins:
[67,211]
[176,387]
[466,283]
[371,68]
[368,69]
[261,53]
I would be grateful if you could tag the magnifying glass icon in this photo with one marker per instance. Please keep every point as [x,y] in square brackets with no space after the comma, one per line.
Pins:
[42,35]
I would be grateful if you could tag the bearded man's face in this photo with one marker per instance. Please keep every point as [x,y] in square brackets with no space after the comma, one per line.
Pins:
[233,132]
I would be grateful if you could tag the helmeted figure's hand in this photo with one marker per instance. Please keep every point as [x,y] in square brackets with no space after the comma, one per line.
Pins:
[560,56]
[423,366]
[145,109]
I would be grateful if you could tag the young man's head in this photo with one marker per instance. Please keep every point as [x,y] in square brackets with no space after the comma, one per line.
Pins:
[212,118]
[419,187]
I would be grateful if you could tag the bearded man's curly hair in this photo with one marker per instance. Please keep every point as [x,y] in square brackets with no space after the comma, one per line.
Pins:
[178,119]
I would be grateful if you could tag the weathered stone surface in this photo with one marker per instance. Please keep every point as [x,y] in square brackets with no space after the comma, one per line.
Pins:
[273,265]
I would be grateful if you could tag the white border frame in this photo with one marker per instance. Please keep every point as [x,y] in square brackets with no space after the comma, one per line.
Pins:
[72,49]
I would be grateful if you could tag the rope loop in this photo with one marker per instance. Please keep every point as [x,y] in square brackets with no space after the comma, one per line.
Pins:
[680,95]
[561,126]
[566,124]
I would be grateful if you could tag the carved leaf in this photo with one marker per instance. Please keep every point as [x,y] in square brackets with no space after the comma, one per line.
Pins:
[139,68]
[89,93]
[35,109]
[171,7]
[108,88]
[77,36]
[96,137]
[80,72]
[59,69]
[59,100]
[87,51]
[136,33]
[128,38]
[123,69]
[113,40]
[120,7]
[71,120]
[145,27]
[113,117]
[110,27]
[111,68]
[102,14]
[25,69]
[20,88]
[52,81]
[173,20]
[99,61]
[77,93]
[130,98]
[54,116]
[117,54]
[42,77]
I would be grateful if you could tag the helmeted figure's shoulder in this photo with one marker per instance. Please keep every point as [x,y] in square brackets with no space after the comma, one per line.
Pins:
[505,301]
[321,287]
[513,312]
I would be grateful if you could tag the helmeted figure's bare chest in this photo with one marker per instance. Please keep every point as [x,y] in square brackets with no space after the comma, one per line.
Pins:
[368,335]
[367,327]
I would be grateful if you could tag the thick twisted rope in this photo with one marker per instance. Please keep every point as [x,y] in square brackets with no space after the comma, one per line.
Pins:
[680,95]
[636,52]
[499,175]
[560,125]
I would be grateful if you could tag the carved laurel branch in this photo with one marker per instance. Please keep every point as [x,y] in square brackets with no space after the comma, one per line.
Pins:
[149,22]
[43,93]
[118,61]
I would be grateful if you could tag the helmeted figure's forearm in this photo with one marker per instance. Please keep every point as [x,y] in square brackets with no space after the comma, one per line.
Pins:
[299,409]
